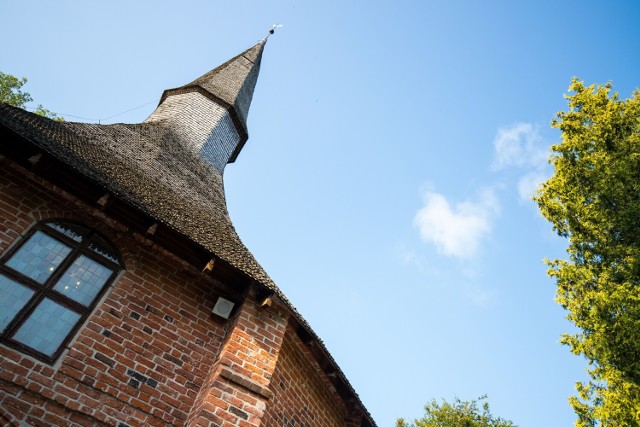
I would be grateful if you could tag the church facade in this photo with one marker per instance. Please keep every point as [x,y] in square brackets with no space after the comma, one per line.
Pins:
[126,296]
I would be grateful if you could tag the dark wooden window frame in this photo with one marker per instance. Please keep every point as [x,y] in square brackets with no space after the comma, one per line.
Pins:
[45,290]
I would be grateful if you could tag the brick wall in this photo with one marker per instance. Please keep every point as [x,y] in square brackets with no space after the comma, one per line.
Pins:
[238,387]
[151,353]
[141,357]
[302,396]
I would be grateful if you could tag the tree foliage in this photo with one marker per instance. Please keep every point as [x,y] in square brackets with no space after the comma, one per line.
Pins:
[593,200]
[457,414]
[11,93]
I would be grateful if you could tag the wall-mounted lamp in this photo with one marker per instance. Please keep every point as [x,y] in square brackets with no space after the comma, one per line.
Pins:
[223,308]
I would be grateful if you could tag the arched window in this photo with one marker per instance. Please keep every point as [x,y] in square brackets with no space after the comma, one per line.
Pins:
[50,283]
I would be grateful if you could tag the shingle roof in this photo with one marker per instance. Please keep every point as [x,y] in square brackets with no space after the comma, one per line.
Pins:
[235,80]
[231,85]
[146,165]
[150,166]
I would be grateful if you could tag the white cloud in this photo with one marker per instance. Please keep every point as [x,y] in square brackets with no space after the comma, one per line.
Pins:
[456,231]
[529,183]
[519,145]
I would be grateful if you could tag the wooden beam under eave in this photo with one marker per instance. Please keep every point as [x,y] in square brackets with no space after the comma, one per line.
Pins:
[209,265]
[103,201]
[152,229]
[35,159]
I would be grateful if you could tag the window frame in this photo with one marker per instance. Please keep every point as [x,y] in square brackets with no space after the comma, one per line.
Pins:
[46,289]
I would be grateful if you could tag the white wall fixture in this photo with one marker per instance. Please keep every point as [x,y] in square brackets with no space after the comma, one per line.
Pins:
[223,307]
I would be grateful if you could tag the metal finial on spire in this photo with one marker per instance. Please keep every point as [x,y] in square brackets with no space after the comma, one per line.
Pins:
[273,29]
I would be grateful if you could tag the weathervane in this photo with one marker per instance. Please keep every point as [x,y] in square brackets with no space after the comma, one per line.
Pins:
[273,30]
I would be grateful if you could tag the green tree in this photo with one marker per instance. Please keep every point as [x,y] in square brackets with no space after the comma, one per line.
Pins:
[593,200]
[457,414]
[11,93]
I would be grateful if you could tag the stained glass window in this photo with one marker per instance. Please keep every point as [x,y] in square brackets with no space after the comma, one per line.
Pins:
[39,257]
[83,280]
[50,283]
[46,327]
[76,233]
[13,297]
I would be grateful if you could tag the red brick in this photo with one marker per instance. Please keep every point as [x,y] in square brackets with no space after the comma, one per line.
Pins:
[176,342]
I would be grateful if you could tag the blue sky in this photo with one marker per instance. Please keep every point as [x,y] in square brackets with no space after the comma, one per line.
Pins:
[385,184]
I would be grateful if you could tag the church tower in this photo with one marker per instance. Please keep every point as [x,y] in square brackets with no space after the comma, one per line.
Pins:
[127,297]
[213,109]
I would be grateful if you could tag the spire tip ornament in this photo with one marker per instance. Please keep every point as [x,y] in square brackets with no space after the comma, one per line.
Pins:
[273,29]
